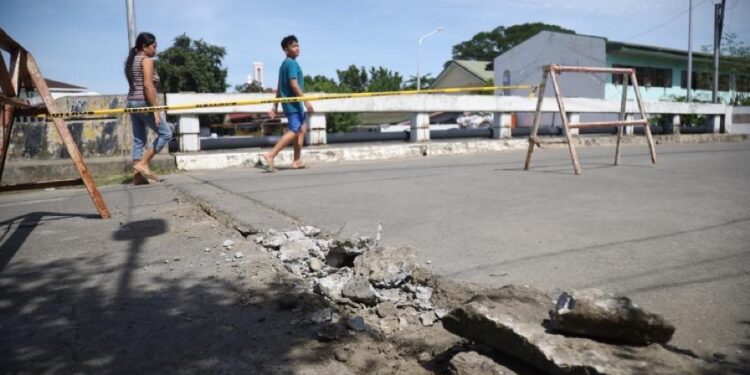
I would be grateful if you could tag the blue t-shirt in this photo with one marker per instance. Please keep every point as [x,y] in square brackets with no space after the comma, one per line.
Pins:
[290,70]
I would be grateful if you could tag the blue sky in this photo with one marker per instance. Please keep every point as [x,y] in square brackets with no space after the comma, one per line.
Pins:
[84,42]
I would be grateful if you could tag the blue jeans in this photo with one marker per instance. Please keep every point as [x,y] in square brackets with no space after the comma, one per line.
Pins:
[146,119]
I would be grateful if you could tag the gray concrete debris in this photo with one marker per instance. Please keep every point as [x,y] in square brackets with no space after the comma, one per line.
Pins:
[592,313]
[440,312]
[356,323]
[402,323]
[228,243]
[394,295]
[473,363]
[296,249]
[331,285]
[341,253]
[322,315]
[341,354]
[294,235]
[309,231]
[238,255]
[316,265]
[386,267]
[386,309]
[422,296]
[335,318]
[274,241]
[297,268]
[424,357]
[510,320]
[427,318]
[358,289]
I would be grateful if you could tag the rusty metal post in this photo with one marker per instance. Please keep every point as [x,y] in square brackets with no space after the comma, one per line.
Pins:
[621,117]
[644,117]
[62,129]
[9,83]
[537,117]
[564,117]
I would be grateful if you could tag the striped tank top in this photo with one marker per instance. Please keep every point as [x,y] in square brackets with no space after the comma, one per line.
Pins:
[136,89]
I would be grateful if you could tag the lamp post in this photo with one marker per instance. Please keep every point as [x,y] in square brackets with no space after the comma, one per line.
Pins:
[130,9]
[718,25]
[690,53]
[419,48]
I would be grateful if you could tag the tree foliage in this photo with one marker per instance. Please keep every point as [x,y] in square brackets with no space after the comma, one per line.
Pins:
[192,65]
[251,87]
[425,81]
[487,45]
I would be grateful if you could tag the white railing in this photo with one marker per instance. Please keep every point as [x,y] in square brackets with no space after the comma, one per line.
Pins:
[421,105]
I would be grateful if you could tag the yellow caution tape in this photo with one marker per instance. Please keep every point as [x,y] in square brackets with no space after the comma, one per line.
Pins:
[117,111]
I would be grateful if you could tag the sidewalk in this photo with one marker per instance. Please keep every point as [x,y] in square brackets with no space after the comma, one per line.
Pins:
[152,290]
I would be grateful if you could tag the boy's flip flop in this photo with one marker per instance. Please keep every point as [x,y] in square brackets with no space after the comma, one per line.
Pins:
[263,164]
[146,173]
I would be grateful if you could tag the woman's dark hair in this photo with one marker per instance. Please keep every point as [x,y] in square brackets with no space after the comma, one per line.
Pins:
[144,39]
[288,40]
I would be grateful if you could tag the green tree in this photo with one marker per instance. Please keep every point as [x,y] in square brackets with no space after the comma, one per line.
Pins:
[425,81]
[352,79]
[249,87]
[192,65]
[335,122]
[487,45]
[382,79]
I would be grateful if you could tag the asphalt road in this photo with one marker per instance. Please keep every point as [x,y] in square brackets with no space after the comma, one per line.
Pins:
[675,236]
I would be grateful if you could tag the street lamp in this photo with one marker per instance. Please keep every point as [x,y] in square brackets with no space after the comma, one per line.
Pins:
[419,47]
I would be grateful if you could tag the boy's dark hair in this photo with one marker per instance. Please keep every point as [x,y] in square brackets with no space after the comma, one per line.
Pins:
[288,40]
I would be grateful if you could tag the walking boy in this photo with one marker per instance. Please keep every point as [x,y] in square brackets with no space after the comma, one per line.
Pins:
[291,84]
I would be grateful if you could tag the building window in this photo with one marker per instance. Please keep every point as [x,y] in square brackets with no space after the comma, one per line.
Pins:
[742,83]
[705,81]
[647,77]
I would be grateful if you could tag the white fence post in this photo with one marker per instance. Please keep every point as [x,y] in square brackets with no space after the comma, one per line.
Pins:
[629,129]
[574,118]
[189,129]
[714,124]
[675,124]
[501,123]
[317,134]
[420,127]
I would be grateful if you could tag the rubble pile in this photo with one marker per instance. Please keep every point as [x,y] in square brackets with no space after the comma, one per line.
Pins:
[356,273]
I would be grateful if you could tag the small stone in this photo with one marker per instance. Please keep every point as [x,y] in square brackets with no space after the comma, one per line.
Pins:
[228,243]
[356,323]
[358,289]
[258,239]
[207,249]
[341,354]
[222,254]
[316,265]
[441,313]
[386,309]
[177,259]
[238,255]
[335,318]
[424,357]
[294,235]
[166,261]
[402,323]
[308,230]
[427,318]
[429,262]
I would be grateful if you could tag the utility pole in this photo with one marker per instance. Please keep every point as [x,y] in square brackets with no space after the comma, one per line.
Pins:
[718,25]
[130,7]
[690,53]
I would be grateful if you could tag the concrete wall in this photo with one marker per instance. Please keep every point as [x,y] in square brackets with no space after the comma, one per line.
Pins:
[525,62]
[103,137]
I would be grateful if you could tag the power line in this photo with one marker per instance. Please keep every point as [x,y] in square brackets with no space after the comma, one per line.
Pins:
[665,23]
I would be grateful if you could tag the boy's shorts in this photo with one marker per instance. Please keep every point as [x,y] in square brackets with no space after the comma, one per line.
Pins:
[296,121]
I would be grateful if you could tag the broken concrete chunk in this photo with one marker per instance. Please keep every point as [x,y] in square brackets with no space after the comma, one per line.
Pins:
[358,289]
[427,318]
[386,267]
[309,231]
[238,255]
[342,253]
[228,243]
[473,363]
[331,285]
[510,320]
[315,265]
[592,313]
[356,323]
[294,235]
[322,315]
[296,249]
[386,309]
[297,268]
[274,241]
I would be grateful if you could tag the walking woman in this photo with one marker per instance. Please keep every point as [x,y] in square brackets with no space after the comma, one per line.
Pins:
[143,79]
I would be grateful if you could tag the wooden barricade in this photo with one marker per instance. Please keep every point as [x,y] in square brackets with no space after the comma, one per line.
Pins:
[552,71]
[24,74]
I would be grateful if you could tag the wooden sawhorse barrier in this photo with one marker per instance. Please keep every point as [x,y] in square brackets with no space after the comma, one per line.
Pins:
[554,70]
[24,74]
